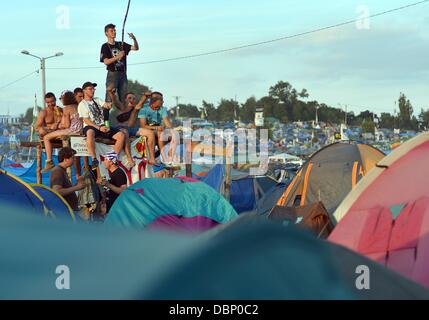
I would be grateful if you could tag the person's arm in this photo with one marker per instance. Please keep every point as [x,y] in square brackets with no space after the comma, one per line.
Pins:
[137,108]
[115,189]
[65,120]
[66,191]
[105,52]
[88,122]
[167,123]
[135,46]
[144,125]
[115,99]
[40,120]
[133,118]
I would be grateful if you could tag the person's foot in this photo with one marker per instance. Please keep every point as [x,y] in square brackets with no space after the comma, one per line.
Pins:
[153,163]
[49,165]
[95,163]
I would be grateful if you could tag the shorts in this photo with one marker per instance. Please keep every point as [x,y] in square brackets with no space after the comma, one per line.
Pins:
[100,134]
[131,131]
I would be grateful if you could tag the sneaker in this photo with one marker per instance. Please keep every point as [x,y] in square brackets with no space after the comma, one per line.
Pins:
[49,165]
[95,163]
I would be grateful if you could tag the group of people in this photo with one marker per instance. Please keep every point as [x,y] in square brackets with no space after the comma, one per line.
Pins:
[84,114]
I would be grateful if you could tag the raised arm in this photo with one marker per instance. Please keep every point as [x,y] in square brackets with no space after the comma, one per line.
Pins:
[135,46]
[133,117]
[114,98]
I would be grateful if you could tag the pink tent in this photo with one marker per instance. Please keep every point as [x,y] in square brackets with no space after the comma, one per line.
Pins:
[386,217]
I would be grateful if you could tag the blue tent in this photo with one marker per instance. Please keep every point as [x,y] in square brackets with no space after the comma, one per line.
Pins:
[270,198]
[57,205]
[14,191]
[246,190]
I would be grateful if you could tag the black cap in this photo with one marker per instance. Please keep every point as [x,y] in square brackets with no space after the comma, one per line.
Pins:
[88,84]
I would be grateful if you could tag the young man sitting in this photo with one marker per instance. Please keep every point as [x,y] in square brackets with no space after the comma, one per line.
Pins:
[93,111]
[48,119]
[155,117]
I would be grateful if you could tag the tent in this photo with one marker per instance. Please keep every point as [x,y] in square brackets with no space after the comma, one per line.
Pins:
[386,217]
[55,202]
[246,190]
[16,192]
[249,261]
[270,198]
[330,174]
[183,204]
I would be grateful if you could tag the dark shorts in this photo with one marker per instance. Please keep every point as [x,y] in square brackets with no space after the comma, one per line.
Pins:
[131,131]
[100,134]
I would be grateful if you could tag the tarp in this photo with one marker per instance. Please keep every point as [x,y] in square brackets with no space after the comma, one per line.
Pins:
[245,262]
[386,217]
[148,200]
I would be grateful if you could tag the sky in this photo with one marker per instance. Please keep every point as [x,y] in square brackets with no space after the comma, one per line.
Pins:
[363,66]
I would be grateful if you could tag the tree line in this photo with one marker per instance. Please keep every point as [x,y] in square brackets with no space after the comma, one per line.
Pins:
[287,104]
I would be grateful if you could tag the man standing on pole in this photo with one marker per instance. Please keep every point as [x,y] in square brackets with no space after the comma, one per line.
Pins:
[114,56]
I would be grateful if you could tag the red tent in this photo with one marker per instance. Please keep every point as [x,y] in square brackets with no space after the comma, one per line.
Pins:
[386,217]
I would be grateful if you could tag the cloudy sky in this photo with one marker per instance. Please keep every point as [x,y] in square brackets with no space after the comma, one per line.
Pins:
[364,68]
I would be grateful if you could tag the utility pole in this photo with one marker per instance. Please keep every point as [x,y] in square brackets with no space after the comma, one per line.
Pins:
[345,117]
[42,68]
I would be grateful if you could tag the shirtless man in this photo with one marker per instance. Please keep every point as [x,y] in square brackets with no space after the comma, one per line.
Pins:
[49,119]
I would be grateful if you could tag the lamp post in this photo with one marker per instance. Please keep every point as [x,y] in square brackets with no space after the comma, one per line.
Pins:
[42,67]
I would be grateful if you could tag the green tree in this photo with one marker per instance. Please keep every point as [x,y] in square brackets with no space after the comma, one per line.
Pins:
[28,116]
[387,120]
[137,88]
[189,111]
[406,120]
[368,126]
[424,119]
[227,109]
[248,109]
[212,114]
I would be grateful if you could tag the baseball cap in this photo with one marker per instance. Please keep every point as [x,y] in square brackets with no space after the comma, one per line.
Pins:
[88,84]
[111,156]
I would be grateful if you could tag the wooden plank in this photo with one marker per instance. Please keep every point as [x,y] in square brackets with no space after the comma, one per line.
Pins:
[39,164]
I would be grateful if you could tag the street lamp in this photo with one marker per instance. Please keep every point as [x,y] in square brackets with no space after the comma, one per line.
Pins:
[42,67]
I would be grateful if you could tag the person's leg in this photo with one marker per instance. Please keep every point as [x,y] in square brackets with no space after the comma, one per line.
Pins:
[90,142]
[173,144]
[150,140]
[110,82]
[122,86]
[127,148]
[119,137]
[48,147]
[161,143]
[77,167]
